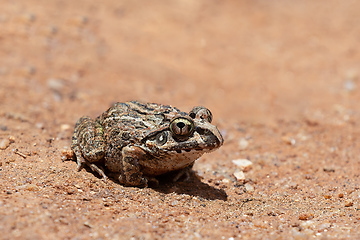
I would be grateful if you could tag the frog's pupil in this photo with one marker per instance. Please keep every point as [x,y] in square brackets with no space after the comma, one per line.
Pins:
[180,125]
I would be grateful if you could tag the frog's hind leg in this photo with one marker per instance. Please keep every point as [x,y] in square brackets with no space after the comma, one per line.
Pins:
[88,144]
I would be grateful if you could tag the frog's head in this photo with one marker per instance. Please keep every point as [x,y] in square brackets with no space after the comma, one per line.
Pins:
[184,139]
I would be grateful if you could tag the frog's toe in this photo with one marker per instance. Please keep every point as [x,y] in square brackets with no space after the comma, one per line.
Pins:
[183,174]
[98,170]
[133,181]
[80,164]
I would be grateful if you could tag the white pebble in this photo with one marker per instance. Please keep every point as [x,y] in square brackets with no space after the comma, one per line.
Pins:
[65,127]
[349,85]
[240,176]
[243,144]
[55,84]
[244,164]
[4,143]
[249,188]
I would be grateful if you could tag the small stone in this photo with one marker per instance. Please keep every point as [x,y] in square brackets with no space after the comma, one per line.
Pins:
[329,169]
[174,203]
[225,180]
[86,224]
[32,187]
[12,139]
[65,127]
[327,196]
[4,143]
[349,85]
[288,140]
[55,84]
[306,216]
[240,176]
[39,125]
[67,154]
[243,144]
[249,188]
[244,164]
[349,203]
[341,195]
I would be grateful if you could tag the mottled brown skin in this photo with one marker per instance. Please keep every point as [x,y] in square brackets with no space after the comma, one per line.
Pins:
[138,141]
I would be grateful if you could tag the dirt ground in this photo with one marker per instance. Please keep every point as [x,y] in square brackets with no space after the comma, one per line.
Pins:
[280,77]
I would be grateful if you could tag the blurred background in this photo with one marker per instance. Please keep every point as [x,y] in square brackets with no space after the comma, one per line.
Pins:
[281,78]
[245,60]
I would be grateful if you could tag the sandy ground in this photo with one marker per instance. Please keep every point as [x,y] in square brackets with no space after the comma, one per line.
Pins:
[281,78]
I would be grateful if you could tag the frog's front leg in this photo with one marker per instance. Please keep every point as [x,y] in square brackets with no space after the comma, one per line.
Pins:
[183,173]
[88,144]
[131,174]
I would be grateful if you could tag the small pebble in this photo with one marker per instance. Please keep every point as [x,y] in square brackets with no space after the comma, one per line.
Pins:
[349,203]
[240,176]
[243,144]
[12,139]
[86,224]
[4,143]
[55,84]
[67,154]
[249,188]
[39,125]
[306,216]
[329,169]
[174,203]
[65,127]
[244,164]
[327,196]
[341,195]
[349,85]
[225,180]
[32,187]
[288,140]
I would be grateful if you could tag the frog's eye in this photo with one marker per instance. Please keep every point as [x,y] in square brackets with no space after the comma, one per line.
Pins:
[182,126]
[161,138]
[201,113]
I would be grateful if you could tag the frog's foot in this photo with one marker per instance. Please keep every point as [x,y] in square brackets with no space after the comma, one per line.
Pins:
[97,169]
[81,163]
[134,180]
[184,174]
[153,182]
[79,159]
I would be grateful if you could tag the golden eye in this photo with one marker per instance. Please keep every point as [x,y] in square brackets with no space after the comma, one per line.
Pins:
[182,126]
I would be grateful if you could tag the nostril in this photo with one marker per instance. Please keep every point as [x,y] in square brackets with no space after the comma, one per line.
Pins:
[180,125]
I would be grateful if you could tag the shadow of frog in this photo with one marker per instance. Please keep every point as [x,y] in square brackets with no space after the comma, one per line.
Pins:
[191,186]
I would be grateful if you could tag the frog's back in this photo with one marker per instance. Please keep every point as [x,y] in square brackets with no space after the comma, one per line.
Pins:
[137,118]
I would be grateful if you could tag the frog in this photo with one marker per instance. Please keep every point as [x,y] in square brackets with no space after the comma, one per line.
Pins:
[135,142]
